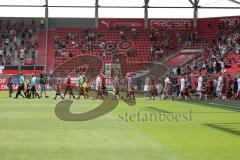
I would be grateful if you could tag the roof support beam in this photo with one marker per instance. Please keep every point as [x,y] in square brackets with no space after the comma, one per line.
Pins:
[117,6]
[96,13]
[46,33]
[234,1]
[195,12]
[146,2]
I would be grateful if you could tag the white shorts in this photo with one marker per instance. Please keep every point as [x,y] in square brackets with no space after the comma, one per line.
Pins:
[96,87]
[238,91]
[145,88]
[218,89]
[182,89]
[199,89]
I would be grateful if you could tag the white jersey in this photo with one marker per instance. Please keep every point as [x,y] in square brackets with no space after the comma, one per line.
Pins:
[129,82]
[219,82]
[98,81]
[182,82]
[146,84]
[147,81]
[200,83]
[167,80]
[166,83]
[238,84]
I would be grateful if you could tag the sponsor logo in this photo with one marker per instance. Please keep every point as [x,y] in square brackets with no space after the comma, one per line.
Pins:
[170,22]
[129,23]
[230,21]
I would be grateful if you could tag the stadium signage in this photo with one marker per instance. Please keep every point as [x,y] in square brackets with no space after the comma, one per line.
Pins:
[231,21]
[115,23]
[3,80]
[170,22]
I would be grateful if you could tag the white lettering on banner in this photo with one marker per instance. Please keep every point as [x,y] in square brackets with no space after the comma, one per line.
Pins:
[230,21]
[170,22]
[3,87]
[3,81]
[116,23]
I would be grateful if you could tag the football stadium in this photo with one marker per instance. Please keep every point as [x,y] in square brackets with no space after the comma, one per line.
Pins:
[120,79]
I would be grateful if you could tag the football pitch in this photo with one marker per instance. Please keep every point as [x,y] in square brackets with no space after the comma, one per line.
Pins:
[154,130]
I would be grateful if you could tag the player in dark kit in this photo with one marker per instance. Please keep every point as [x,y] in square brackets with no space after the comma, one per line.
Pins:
[229,83]
[58,91]
[117,92]
[116,88]
[20,86]
[69,88]
[211,87]
[186,92]
[104,88]
[152,91]
[235,89]
[132,92]
[169,90]
[99,93]
[10,86]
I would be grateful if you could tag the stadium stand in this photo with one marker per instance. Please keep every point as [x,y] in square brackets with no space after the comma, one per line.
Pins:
[18,43]
[125,42]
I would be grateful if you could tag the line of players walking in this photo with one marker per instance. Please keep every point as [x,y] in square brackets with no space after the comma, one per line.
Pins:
[83,88]
[207,87]
[27,88]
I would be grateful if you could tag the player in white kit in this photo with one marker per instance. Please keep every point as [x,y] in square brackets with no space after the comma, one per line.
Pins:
[238,91]
[219,86]
[200,86]
[182,86]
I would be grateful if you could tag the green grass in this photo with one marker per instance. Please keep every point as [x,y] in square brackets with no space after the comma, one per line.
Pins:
[30,130]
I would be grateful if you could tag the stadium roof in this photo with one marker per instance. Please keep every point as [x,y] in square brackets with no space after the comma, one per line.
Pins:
[118,8]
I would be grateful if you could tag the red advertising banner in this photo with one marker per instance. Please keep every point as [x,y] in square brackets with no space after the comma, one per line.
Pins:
[215,22]
[24,72]
[179,23]
[139,23]
[3,84]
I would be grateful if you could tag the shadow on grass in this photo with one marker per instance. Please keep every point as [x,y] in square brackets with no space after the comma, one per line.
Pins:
[154,109]
[224,127]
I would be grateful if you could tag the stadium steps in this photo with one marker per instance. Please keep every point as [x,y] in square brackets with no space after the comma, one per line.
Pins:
[51,51]
[41,48]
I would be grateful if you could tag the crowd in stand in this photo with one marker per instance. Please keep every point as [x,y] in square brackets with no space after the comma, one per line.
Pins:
[215,83]
[89,41]
[18,42]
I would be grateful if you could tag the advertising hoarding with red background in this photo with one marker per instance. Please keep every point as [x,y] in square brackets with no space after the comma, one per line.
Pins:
[138,23]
